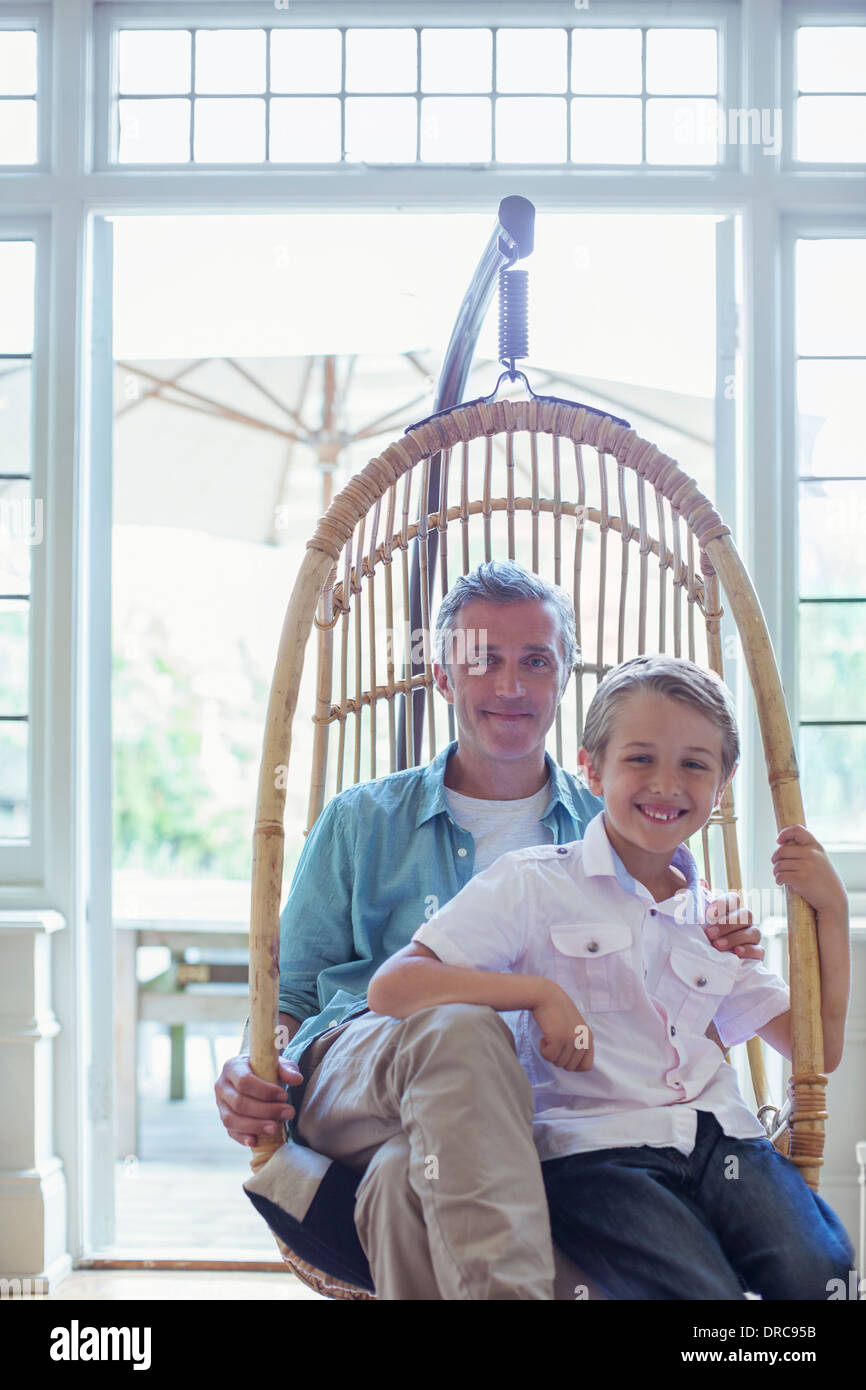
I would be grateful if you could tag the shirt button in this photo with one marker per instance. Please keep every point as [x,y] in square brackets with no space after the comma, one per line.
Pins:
[461,854]
[592,946]
[562,850]
[673,1031]
[652,912]
[701,981]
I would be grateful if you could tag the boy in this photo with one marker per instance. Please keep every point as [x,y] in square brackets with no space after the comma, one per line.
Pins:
[660,1182]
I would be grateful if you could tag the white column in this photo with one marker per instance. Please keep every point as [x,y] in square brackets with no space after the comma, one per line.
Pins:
[33,1242]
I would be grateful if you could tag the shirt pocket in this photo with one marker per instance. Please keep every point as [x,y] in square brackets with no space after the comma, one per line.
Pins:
[695,988]
[592,963]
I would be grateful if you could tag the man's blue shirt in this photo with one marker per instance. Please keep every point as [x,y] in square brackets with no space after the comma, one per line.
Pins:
[382,857]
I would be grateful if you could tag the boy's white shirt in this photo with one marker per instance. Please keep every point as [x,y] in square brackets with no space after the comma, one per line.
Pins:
[642,973]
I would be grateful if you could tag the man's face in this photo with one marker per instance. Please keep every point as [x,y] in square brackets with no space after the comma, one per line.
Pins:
[506,672]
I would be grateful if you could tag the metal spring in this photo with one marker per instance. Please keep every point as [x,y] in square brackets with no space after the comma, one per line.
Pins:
[513,316]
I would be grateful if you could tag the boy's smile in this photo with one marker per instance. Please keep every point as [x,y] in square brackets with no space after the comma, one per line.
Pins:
[660,776]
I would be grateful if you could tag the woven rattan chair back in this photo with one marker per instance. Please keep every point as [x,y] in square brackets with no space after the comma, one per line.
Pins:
[583,500]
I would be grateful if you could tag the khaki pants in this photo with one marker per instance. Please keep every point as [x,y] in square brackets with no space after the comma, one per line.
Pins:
[436,1111]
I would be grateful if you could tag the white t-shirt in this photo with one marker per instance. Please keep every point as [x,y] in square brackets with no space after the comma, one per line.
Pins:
[498,827]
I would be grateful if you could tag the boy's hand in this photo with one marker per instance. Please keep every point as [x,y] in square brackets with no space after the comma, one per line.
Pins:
[729,928]
[567,1041]
[801,863]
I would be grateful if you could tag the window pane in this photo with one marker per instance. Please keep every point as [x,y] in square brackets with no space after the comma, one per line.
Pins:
[834,788]
[18,63]
[606,130]
[381,130]
[833,661]
[15,416]
[831,130]
[681,60]
[456,129]
[229,131]
[381,60]
[18,132]
[832,525]
[306,60]
[456,60]
[154,132]
[22,524]
[530,130]
[14,653]
[831,296]
[154,60]
[305,129]
[531,60]
[679,131]
[832,60]
[17,268]
[14,749]
[829,404]
[606,60]
[21,527]
[230,60]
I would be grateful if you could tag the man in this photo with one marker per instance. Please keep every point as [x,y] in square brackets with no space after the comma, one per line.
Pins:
[434,1112]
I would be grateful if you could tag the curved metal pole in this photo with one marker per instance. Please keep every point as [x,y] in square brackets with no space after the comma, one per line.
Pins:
[512,238]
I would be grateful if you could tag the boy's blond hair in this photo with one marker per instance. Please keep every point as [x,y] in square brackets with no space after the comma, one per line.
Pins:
[663,675]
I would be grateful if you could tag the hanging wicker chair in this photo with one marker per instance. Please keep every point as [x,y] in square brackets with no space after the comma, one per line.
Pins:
[661,591]
[573,494]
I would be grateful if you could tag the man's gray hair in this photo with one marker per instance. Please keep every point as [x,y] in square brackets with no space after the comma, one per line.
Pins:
[504,581]
[664,675]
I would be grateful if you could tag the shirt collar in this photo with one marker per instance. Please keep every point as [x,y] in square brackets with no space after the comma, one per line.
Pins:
[599,858]
[432,800]
[560,790]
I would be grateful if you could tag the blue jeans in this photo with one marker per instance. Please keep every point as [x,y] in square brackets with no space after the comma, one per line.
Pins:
[653,1223]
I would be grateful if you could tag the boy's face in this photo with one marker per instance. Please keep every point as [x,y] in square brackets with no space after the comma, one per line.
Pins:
[661,774]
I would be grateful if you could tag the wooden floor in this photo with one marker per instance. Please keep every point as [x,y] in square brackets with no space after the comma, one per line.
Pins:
[183,1192]
[175,1285]
[181,1198]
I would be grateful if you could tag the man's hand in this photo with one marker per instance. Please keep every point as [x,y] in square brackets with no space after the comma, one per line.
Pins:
[729,928]
[567,1041]
[250,1107]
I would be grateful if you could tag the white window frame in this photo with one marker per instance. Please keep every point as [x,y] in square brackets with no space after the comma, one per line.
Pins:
[38,17]
[156,14]
[65,202]
[806,13]
[21,860]
[851,863]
